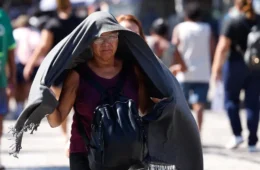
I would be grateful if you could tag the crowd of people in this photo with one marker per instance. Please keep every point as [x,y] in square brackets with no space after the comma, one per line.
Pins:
[193,55]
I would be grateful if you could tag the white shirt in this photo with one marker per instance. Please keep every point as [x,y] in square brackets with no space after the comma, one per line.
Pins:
[26,39]
[166,46]
[194,48]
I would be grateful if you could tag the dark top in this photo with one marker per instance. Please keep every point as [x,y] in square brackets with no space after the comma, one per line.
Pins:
[237,29]
[88,98]
[61,27]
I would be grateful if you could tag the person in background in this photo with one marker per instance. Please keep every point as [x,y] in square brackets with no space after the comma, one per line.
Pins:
[163,48]
[194,42]
[132,23]
[54,31]
[27,38]
[236,75]
[7,46]
[158,41]
[235,10]
[93,8]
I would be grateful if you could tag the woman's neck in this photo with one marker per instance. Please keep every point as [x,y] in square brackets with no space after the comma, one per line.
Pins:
[105,64]
[64,14]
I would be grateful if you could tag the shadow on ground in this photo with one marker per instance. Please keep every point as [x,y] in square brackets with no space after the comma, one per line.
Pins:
[41,168]
[239,154]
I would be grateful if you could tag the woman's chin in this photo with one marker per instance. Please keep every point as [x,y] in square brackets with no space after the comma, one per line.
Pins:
[107,57]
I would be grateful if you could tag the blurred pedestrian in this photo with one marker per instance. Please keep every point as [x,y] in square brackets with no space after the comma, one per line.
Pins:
[158,41]
[7,46]
[194,42]
[236,75]
[93,8]
[163,48]
[27,38]
[235,10]
[132,23]
[54,31]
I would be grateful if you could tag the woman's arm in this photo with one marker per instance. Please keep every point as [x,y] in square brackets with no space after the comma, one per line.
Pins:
[66,101]
[220,56]
[212,47]
[175,37]
[178,62]
[41,50]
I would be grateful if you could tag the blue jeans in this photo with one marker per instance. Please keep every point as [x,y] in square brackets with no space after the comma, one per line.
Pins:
[236,77]
[195,92]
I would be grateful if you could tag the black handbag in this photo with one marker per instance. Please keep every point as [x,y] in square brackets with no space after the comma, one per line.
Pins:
[117,133]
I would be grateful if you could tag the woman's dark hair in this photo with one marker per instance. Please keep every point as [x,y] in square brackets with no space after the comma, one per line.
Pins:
[193,11]
[21,21]
[63,4]
[160,27]
[247,8]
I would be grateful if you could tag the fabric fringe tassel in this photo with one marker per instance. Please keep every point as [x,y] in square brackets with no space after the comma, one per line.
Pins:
[17,135]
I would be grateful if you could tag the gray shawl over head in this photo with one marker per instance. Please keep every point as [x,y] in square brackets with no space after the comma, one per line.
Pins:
[173,136]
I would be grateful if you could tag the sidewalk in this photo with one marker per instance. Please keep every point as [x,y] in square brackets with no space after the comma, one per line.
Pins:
[216,133]
[45,149]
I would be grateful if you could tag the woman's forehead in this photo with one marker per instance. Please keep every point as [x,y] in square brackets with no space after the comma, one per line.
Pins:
[108,33]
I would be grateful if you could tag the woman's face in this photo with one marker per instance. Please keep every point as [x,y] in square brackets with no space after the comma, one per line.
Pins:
[131,26]
[104,47]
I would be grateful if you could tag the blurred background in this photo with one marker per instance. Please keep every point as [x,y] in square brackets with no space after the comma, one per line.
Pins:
[145,10]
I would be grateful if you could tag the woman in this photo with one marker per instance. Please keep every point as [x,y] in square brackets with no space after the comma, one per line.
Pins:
[27,39]
[100,47]
[164,49]
[195,43]
[105,68]
[237,76]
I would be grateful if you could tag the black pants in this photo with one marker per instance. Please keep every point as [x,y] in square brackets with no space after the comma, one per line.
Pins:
[236,77]
[79,161]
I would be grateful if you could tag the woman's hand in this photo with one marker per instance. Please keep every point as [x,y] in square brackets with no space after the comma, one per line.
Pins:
[66,100]
[216,74]
[220,57]
[27,72]
[157,100]
[176,69]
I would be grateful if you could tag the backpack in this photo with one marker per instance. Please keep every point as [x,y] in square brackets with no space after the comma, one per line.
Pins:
[117,132]
[252,53]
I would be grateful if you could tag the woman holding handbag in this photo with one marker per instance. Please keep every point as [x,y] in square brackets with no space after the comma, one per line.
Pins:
[102,55]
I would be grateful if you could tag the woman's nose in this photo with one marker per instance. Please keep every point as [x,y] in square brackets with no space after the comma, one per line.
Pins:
[106,43]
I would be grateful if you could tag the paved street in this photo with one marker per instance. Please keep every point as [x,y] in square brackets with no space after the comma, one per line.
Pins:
[45,149]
